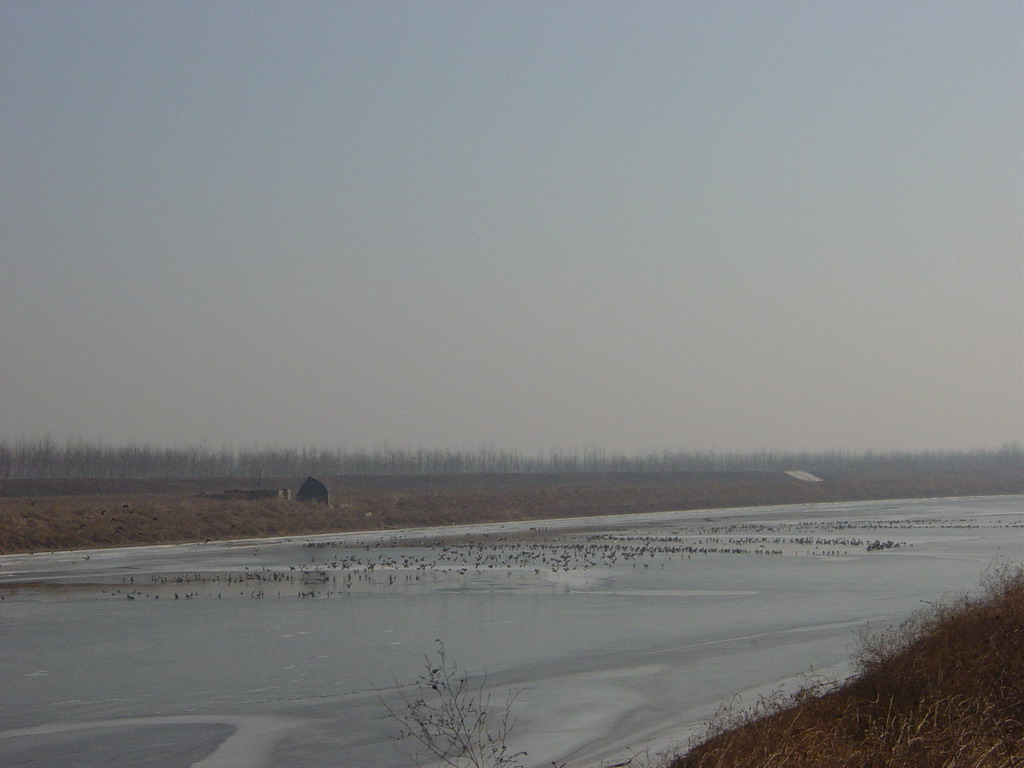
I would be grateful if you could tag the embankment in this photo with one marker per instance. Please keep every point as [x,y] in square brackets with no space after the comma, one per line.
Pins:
[41,514]
[945,689]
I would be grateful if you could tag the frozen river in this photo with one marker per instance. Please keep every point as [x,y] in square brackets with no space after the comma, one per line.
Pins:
[622,632]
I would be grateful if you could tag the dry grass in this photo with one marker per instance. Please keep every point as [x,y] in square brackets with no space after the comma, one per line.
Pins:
[943,690]
[40,515]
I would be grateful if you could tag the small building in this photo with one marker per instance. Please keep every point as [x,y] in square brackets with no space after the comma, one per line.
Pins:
[807,477]
[312,490]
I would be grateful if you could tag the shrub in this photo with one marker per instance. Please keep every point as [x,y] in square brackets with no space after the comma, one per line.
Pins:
[944,689]
[446,718]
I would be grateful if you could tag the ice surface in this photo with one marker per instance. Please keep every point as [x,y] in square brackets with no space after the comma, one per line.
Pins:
[620,632]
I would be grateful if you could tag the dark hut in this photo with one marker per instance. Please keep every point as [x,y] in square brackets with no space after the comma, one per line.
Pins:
[312,490]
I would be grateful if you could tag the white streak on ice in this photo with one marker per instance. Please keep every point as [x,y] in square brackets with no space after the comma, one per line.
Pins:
[250,745]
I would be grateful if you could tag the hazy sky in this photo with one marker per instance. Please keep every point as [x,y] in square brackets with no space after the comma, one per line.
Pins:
[532,225]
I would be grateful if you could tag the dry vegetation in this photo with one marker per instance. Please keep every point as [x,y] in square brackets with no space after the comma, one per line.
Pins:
[52,514]
[944,690]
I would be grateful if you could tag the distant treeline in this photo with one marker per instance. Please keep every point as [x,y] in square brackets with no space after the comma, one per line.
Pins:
[45,458]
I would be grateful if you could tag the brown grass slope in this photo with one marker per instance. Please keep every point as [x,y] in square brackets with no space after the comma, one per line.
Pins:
[39,515]
[944,690]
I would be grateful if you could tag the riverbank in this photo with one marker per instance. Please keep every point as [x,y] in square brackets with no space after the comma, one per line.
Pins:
[649,622]
[944,689]
[61,514]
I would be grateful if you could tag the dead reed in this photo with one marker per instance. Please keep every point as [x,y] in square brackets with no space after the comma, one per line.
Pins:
[943,690]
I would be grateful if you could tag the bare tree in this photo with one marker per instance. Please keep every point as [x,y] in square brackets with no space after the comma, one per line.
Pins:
[445,718]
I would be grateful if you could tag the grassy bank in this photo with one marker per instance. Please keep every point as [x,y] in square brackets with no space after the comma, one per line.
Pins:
[40,514]
[944,690]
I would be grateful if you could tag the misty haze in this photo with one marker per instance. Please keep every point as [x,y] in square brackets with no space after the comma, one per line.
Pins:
[595,365]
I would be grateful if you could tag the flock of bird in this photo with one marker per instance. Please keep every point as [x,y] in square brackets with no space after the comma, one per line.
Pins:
[532,558]
[337,567]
